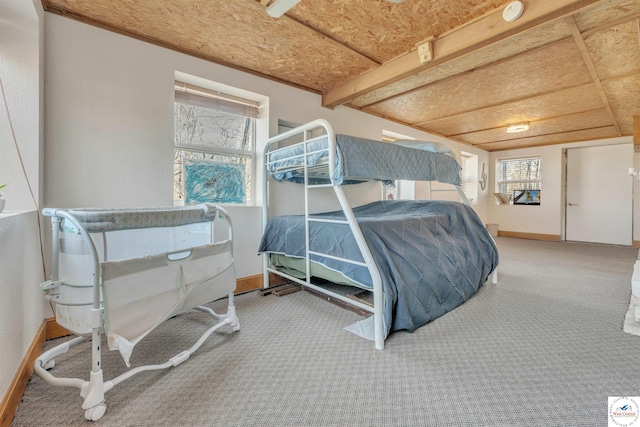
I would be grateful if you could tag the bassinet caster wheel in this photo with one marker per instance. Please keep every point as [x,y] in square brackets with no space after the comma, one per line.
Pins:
[96,412]
[50,364]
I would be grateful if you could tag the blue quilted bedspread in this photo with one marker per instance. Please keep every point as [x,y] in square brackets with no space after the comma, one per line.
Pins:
[432,255]
[360,159]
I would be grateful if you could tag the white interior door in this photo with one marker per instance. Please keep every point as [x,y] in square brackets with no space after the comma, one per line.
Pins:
[599,204]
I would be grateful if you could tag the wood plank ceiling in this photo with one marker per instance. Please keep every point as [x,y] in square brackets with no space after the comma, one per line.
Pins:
[569,68]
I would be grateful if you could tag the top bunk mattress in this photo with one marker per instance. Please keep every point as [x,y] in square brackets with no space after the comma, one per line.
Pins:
[360,159]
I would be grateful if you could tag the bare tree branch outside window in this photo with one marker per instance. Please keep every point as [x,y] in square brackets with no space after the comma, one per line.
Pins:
[209,135]
[519,174]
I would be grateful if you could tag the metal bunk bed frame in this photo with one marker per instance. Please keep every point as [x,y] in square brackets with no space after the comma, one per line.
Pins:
[326,170]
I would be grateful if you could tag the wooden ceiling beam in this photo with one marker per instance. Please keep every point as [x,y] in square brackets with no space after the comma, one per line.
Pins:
[584,51]
[611,24]
[331,39]
[508,105]
[554,139]
[542,127]
[480,33]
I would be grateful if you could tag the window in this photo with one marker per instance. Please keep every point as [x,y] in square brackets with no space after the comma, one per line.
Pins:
[214,147]
[518,174]
[469,176]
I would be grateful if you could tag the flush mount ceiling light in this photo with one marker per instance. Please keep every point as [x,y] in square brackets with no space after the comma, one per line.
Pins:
[279,7]
[517,127]
[513,11]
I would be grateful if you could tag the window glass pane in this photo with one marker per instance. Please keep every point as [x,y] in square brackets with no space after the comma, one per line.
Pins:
[390,191]
[521,169]
[205,127]
[183,190]
[519,174]
[217,182]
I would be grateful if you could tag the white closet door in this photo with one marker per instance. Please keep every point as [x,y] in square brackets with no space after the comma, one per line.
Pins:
[600,194]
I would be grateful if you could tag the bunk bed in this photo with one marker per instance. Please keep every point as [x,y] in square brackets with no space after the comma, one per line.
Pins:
[419,258]
[123,272]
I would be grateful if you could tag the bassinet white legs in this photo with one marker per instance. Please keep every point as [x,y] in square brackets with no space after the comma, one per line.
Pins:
[93,391]
[230,318]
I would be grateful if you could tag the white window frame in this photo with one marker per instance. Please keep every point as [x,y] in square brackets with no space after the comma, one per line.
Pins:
[219,101]
[525,184]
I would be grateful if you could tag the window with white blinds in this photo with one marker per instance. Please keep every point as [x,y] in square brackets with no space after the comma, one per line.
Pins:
[469,176]
[214,147]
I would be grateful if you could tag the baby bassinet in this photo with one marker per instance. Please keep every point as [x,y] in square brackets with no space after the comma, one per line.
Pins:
[124,272]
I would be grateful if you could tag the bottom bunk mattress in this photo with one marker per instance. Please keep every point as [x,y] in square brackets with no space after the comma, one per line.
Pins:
[432,255]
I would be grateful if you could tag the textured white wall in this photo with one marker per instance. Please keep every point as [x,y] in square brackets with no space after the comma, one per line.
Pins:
[20,122]
[22,307]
